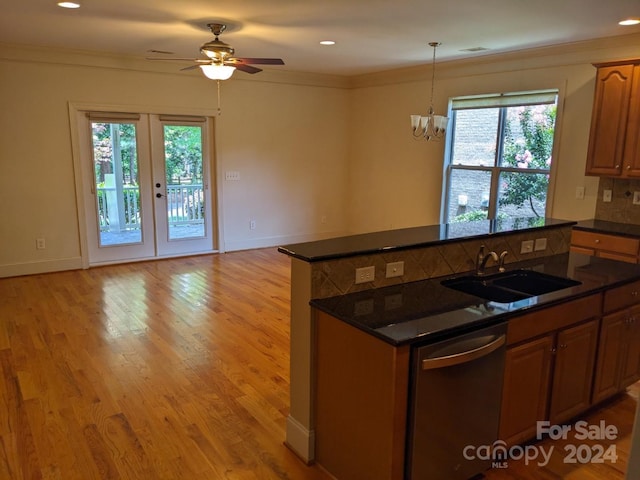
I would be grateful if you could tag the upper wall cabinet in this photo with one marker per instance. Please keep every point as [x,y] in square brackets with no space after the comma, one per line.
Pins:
[614,142]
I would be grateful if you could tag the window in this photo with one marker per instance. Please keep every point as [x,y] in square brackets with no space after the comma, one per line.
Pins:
[499,156]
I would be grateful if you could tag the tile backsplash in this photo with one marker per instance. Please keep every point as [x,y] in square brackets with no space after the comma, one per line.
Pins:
[336,277]
[621,208]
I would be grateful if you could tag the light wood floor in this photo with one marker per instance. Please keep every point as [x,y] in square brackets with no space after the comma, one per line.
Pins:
[172,369]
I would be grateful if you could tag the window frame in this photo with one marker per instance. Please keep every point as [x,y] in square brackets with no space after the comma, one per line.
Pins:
[501,101]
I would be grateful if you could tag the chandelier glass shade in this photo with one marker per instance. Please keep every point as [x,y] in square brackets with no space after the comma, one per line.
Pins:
[430,126]
[217,72]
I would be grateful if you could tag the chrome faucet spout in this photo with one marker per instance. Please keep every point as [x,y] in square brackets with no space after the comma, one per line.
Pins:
[501,262]
[483,259]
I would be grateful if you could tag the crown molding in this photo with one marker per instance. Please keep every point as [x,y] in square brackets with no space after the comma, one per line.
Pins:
[619,48]
[84,58]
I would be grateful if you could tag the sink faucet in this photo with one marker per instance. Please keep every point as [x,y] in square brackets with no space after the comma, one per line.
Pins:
[501,262]
[482,259]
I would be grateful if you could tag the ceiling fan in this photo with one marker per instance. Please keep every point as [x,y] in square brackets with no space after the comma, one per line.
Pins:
[221,63]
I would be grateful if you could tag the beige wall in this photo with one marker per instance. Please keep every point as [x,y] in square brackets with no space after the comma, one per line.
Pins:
[284,133]
[397,182]
[308,147]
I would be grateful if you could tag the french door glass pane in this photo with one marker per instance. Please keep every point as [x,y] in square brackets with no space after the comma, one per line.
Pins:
[117,188]
[469,192]
[475,137]
[184,177]
[522,195]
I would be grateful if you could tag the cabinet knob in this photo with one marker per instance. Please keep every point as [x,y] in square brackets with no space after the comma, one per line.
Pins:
[563,345]
[597,240]
[628,167]
[634,293]
[554,349]
[617,167]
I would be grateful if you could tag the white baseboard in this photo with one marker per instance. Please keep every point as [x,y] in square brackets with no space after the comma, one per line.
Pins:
[32,268]
[276,241]
[300,440]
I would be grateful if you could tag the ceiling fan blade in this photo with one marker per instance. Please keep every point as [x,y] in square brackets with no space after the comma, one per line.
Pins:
[197,61]
[260,61]
[190,67]
[246,68]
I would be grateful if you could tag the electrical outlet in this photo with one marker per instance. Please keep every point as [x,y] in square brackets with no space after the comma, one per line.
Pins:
[636,198]
[606,195]
[252,224]
[232,175]
[526,246]
[395,269]
[40,244]
[580,193]
[365,274]
[541,244]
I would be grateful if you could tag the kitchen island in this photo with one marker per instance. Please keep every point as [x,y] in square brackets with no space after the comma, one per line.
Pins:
[399,310]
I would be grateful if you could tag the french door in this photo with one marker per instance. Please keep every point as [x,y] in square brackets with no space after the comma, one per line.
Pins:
[146,182]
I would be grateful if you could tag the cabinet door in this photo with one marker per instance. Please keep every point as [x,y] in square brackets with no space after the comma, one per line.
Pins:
[631,161]
[573,371]
[526,388]
[612,334]
[630,354]
[609,120]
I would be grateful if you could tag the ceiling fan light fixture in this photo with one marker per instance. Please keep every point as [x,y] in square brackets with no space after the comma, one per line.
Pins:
[217,72]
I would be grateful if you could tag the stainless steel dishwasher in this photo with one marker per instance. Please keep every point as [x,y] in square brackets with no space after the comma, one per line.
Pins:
[454,403]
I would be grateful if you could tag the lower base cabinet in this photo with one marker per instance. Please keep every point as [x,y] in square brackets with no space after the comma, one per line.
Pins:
[549,367]
[618,353]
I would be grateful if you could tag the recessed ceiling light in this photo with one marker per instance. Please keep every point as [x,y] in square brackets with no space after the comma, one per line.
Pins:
[327,42]
[68,4]
[630,21]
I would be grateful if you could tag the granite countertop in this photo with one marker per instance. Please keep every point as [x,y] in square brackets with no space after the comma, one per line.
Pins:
[426,311]
[613,228]
[377,242]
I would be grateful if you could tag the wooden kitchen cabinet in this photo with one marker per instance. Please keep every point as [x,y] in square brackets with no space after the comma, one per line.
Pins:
[614,138]
[549,367]
[613,247]
[575,355]
[526,389]
[618,364]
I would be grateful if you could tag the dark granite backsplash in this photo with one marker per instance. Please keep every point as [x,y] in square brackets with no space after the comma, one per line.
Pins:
[621,208]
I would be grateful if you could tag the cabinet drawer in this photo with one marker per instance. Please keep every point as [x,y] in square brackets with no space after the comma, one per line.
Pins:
[621,297]
[601,241]
[537,323]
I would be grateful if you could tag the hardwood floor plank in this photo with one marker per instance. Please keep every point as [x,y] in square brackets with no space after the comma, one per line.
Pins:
[172,369]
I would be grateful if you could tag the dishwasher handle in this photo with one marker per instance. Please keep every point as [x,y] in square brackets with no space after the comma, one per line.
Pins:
[464,357]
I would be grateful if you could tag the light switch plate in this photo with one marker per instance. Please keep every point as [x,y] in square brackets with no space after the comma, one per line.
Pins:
[636,198]
[606,195]
[541,244]
[395,269]
[526,246]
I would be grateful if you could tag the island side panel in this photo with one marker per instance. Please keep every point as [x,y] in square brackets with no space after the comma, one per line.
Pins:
[361,402]
[300,435]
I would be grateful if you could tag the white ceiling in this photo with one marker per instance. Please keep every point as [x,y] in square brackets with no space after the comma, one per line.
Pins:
[371,35]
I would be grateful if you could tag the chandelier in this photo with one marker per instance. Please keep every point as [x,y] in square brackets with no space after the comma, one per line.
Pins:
[430,126]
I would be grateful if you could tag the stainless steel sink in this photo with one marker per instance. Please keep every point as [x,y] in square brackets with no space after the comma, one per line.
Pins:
[507,287]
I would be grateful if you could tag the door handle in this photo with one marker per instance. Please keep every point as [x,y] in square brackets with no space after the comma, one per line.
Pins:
[463,357]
